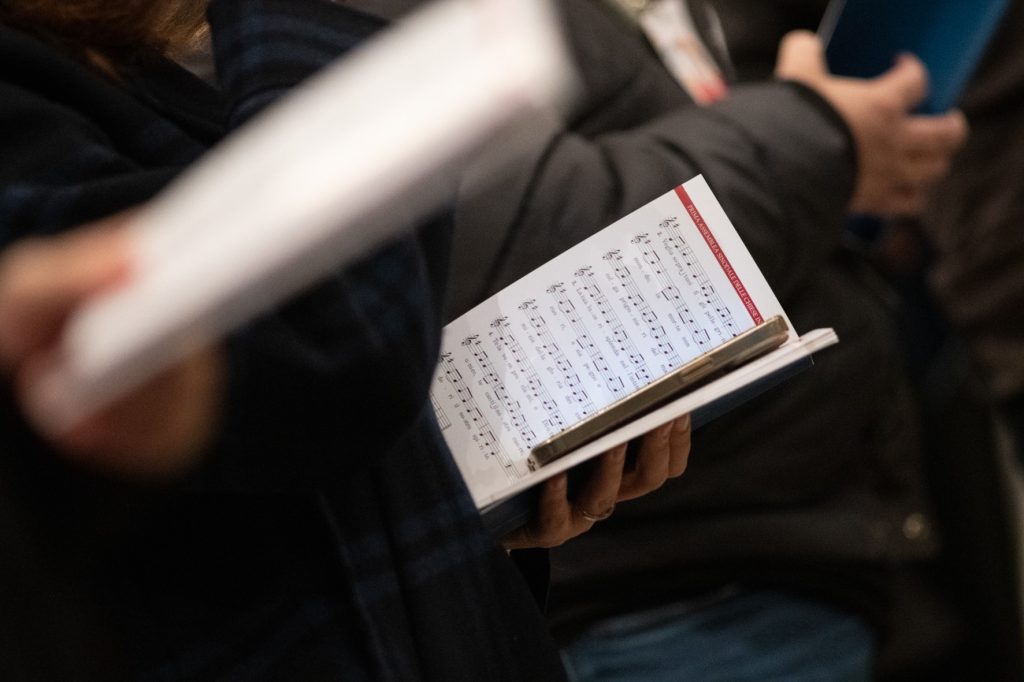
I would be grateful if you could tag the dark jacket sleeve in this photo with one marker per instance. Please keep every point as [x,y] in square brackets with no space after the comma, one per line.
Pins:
[777,156]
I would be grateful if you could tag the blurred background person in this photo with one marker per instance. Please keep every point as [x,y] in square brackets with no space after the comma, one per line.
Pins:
[973,222]
[953,276]
[804,518]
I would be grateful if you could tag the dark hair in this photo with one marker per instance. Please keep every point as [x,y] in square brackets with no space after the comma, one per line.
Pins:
[113,28]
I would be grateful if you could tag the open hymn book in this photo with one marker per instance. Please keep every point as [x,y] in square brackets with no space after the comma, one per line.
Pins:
[665,285]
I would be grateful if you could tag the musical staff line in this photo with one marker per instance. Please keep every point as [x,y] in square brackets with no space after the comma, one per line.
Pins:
[478,425]
[504,339]
[671,292]
[511,407]
[636,299]
[675,241]
[574,387]
[442,417]
[620,340]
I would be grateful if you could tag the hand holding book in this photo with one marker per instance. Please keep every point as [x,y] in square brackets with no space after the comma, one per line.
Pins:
[900,154]
[665,287]
[562,514]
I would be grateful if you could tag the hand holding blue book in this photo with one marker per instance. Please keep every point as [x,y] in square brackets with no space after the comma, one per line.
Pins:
[864,37]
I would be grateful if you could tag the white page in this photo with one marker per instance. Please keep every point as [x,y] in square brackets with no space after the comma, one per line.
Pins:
[652,291]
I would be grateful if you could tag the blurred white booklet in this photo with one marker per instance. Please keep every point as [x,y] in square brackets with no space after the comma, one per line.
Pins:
[351,159]
[668,284]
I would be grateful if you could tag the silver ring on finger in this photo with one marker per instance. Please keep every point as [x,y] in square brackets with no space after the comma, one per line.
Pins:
[600,516]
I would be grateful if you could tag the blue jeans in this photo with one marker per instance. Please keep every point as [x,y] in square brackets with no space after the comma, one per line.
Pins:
[737,637]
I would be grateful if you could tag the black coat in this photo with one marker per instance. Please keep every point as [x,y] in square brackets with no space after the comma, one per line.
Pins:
[327,534]
[810,484]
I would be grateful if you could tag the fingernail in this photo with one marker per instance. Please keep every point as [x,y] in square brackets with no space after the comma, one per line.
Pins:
[559,482]
[682,424]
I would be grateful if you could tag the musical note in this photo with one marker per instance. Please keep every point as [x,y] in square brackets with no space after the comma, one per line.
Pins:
[491,377]
[504,339]
[575,393]
[473,417]
[635,298]
[641,374]
[672,294]
[676,243]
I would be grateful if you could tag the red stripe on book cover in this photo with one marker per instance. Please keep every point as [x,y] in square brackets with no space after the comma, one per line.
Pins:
[719,254]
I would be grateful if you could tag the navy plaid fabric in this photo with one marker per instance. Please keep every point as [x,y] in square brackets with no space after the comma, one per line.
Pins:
[327,534]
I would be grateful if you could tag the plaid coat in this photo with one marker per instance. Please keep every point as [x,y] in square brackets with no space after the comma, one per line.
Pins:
[327,534]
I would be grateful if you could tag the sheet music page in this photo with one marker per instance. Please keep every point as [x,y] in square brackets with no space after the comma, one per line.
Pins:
[645,295]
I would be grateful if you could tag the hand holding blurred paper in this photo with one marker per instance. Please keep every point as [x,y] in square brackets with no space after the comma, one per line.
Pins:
[355,156]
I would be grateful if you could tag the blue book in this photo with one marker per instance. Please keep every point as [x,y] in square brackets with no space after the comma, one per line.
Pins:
[864,37]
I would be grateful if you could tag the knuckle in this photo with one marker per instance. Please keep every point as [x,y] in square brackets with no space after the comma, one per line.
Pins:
[681,442]
[549,541]
[914,74]
[797,39]
[628,491]
[963,128]
[544,540]
[916,70]
[523,537]
[19,258]
[956,123]
[943,140]
[889,109]
[936,170]
[555,534]
[680,458]
[651,479]
[908,205]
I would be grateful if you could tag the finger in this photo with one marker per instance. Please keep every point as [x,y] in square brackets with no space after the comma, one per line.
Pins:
[597,498]
[652,464]
[159,430]
[906,83]
[906,202]
[801,57]
[553,521]
[54,272]
[929,135]
[42,280]
[679,446]
[924,171]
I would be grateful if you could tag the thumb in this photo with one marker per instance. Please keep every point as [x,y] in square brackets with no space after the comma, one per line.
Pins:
[906,83]
[43,279]
[801,57]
